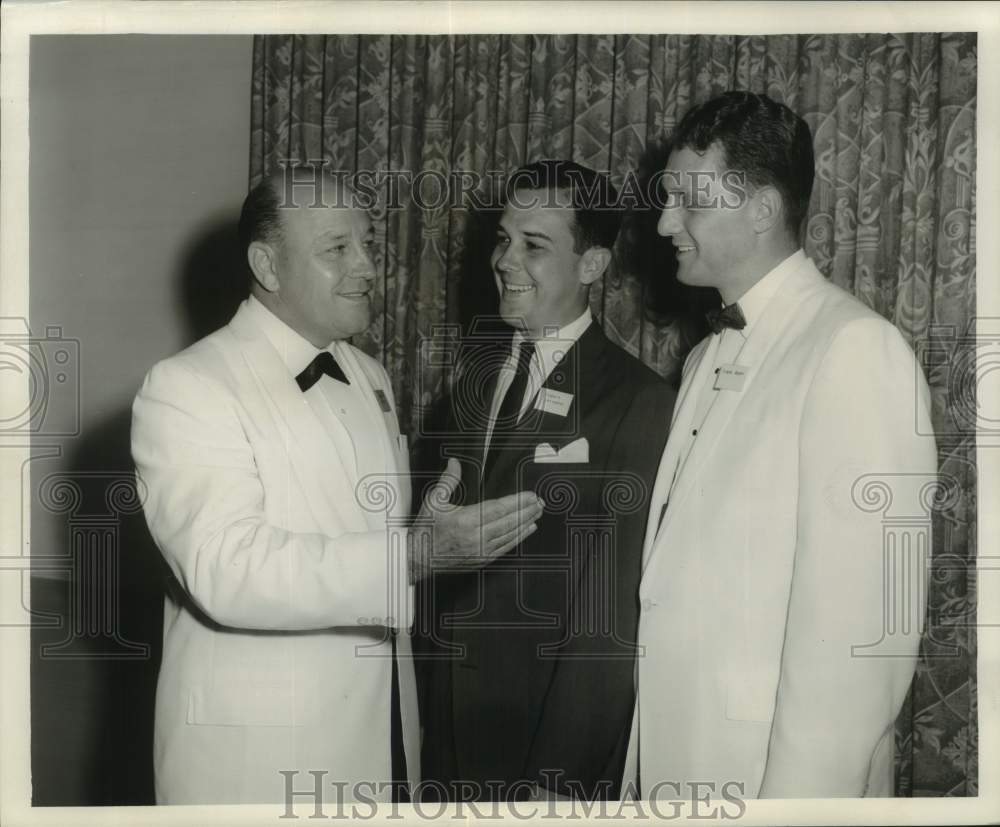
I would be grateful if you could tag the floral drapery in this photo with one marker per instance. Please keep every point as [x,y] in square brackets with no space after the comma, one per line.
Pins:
[892,219]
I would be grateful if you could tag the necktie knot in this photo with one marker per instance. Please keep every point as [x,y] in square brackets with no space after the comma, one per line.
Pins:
[524,353]
[720,318]
[324,363]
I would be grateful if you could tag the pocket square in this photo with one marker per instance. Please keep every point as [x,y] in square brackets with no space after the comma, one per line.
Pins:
[576,451]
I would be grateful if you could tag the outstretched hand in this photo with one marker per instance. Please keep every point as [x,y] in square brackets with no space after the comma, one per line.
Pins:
[467,537]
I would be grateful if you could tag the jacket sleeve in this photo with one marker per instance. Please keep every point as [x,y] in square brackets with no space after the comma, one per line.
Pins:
[205,505]
[856,602]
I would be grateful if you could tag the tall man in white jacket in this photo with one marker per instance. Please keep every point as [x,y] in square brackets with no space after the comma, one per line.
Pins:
[276,487]
[764,572]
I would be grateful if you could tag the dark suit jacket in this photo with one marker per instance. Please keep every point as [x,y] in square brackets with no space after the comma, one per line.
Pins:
[530,676]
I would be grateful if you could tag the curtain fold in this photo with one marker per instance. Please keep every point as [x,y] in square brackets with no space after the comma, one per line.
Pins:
[892,220]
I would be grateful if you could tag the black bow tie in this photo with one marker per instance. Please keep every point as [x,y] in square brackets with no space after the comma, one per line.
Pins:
[728,316]
[323,363]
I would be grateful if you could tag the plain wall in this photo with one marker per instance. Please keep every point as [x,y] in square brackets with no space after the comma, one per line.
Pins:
[139,163]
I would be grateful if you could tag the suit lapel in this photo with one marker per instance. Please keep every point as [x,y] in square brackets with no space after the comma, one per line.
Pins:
[469,415]
[762,338]
[684,411]
[580,373]
[395,467]
[313,453]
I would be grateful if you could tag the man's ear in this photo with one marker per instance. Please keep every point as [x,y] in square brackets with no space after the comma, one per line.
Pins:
[263,260]
[769,209]
[592,264]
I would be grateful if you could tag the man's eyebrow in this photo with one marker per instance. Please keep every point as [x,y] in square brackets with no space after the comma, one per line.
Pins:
[537,234]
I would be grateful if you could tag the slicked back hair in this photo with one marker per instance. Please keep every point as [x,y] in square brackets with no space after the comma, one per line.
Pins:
[760,138]
[597,213]
[259,217]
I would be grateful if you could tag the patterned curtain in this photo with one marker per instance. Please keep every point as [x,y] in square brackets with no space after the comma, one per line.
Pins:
[892,220]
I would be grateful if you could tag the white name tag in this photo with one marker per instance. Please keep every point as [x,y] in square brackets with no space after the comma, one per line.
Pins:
[553,401]
[730,378]
[383,400]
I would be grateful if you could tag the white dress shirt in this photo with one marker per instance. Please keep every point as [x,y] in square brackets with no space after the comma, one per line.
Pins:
[549,352]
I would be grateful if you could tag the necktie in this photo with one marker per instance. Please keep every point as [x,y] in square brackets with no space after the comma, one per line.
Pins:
[728,316]
[510,408]
[323,363]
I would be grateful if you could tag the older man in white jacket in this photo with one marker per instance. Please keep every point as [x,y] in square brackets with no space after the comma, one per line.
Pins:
[277,491]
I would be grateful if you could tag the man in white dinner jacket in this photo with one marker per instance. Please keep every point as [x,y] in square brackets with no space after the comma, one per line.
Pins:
[272,460]
[766,576]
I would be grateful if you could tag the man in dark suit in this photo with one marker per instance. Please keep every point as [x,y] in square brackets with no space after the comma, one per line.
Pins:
[529,691]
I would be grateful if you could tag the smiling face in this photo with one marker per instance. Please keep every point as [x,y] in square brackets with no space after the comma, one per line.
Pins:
[542,281]
[320,277]
[710,219]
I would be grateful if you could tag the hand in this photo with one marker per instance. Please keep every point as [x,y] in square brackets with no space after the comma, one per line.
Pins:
[470,537]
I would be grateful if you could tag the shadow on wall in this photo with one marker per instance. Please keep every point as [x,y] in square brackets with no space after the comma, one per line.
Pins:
[214,278]
[93,676]
[650,258]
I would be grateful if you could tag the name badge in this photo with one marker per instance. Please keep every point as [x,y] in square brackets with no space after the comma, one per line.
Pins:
[383,401]
[730,378]
[553,401]
[403,445]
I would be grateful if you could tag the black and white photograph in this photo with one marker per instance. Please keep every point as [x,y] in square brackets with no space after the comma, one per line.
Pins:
[503,411]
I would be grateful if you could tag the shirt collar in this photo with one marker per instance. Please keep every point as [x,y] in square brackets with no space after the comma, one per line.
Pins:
[753,302]
[295,351]
[552,347]
[551,335]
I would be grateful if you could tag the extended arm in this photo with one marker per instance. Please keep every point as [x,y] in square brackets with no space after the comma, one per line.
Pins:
[205,505]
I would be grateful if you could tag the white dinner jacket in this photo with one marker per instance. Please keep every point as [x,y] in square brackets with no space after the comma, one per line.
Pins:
[768,565]
[276,653]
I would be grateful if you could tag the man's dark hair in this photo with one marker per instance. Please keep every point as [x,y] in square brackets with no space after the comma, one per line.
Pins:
[597,213]
[760,138]
[259,218]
